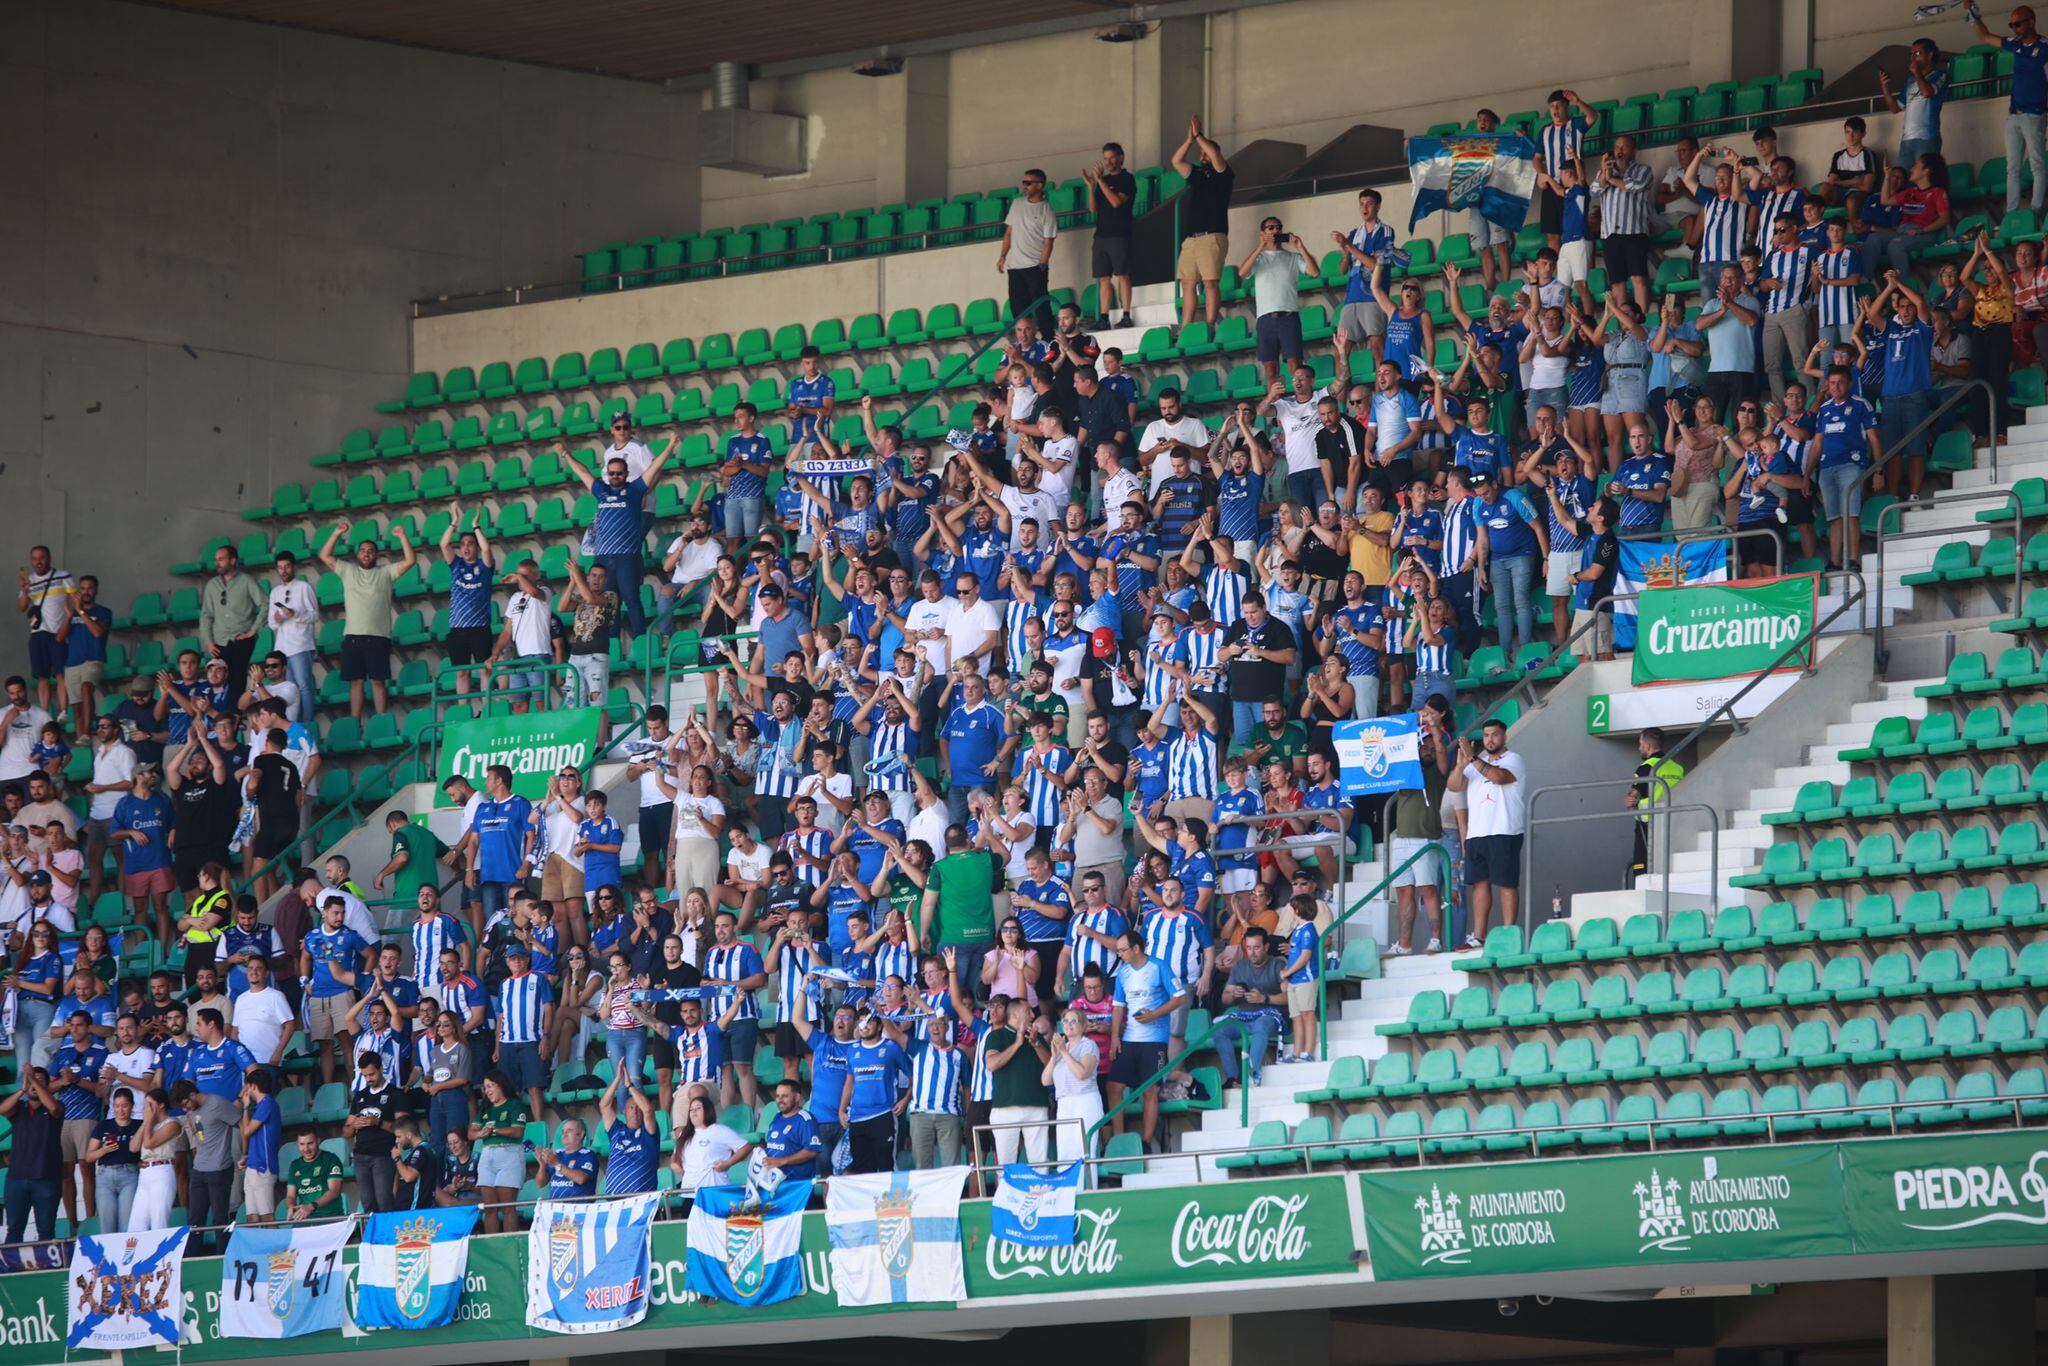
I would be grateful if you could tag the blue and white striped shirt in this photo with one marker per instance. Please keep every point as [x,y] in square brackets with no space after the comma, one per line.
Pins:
[1043,794]
[983,1084]
[895,960]
[1108,920]
[884,742]
[388,1047]
[1176,939]
[1626,211]
[1721,224]
[430,935]
[1793,270]
[1771,203]
[1575,495]
[1461,534]
[1197,652]
[1191,766]
[697,1052]
[1433,659]
[817,842]
[1837,302]
[776,770]
[1794,448]
[1015,613]
[792,967]
[1559,142]
[520,1000]
[735,963]
[935,1081]
[1161,686]
[1223,590]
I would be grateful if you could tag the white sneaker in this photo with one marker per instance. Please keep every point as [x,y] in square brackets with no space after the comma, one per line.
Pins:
[1399,951]
[1472,941]
[1436,946]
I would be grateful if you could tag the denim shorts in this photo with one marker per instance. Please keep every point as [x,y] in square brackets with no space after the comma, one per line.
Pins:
[1841,491]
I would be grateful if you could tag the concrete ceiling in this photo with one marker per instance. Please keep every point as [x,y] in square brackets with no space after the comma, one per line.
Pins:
[638,39]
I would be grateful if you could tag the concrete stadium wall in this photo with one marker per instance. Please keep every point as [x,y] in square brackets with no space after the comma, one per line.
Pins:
[211,233]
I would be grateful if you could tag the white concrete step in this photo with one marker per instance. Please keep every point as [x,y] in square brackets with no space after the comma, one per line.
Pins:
[1172,1170]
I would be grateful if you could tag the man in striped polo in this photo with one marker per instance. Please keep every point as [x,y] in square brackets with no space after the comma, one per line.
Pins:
[525,1011]
[1787,285]
[1724,215]
[1624,187]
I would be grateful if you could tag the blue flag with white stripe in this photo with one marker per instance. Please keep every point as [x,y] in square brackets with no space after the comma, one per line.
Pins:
[587,1263]
[1661,564]
[896,1237]
[1491,173]
[127,1290]
[410,1268]
[1383,754]
[1035,1209]
[745,1252]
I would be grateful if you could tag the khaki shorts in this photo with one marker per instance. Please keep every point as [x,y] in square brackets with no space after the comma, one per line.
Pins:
[259,1190]
[1301,998]
[77,675]
[75,1137]
[561,880]
[1599,640]
[327,1016]
[1201,258]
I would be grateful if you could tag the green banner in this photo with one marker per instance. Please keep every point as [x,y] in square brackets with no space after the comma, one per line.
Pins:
[535,746]
[1983,1190]
[1719,630]
[1675,1207]
[1163,1237]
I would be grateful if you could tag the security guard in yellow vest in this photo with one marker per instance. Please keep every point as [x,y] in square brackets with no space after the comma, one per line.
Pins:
[1655,777]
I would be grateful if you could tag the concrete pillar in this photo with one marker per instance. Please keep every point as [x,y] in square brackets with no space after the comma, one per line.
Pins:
[1169,79]
[1298,1338]
[1959,1320]
[1735,40]
[912,114]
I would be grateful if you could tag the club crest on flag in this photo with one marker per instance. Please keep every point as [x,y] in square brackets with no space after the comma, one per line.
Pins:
[745,1254]
[1373,748]
[284,1280]
[1032,1203]
[413,1259]
[896,1232]
[1471,169]
[563,1239]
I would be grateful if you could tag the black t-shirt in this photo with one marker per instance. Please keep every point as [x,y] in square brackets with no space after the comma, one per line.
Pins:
[277,790]
[1112,753]
[110,1130]
[1606,558]
[681,975]
[1207,206]
[381,1104]
[1336,447]
[204,813]
[1255,680]
[422,1158]
[1114,220]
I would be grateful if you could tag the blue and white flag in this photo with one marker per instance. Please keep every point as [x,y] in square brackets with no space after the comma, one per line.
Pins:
[1034,1209]
[409,1272]
[1661,564]
[127,1290]
[1380,755]
[1493,173]
[587,1263]
[744,1252]
[833,469]
[283,1281]
[896,1237]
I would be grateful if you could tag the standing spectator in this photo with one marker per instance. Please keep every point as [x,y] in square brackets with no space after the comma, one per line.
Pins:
[1493,780]
[45,600]
[936,1072]
[75,1079]
[1512,542]
[231,611]
[1030,230]
[21,727]
[501,839]
[957,913]
[84,634]
[1655,775]
[1558,147]
[1311,474]
[1175,429]
[1259,649]
[1147,996]
[1016,1057]
[142,823]
[35,1164]
[330,960]
[525,1011]
[500,1160]
[1908,342]
[595,608]
[215,1068]
[618,532]
[1926,90]
[1204,223]
[372,1112]
[1490,241]
[1364,247]
[1727,321]
[116,1168]
[2027,105]
[367,591]
[1724,216]
[1624,190]
[1991,335]
[1275,267]
[1787,284]
[877,1091]
[294,615]
[1111,192]
[468,639]
[634,1135]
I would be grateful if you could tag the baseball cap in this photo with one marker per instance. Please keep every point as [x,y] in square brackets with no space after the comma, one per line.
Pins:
[1102,643]
[39,878]
[217,663]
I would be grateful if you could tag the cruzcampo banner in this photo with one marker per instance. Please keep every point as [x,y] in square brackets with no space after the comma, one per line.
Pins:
[1980,1190]
[535,747]
[1719,630]
[1668,1207]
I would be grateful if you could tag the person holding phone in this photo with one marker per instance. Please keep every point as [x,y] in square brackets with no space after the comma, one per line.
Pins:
[1275,267]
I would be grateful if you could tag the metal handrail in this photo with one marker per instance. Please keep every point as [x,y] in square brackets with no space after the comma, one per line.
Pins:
[1903,506]
[1652,809]
[1955,393]
[1433,847]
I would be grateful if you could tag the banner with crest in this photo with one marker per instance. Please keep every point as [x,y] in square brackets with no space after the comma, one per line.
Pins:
[126,1291]
[1492,174]
[896,1237]
[1383,754]
[1036,1209]
[587,1263]
[410,1269]
[745,1245]
[1661,564]
[283,1281]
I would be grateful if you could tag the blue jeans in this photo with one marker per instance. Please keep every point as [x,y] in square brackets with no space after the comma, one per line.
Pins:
[967,965]
[1840,494]
[1514,601]
[2023,137]
[1306,488]
[627,1051]
[447,1111]
[956,799]
[1902,413]
[743,517]
[26,1196]
[1896,250]
[906,551]
[1261,1028]
[1459,589]
[1245,716]
[622,573]
[494,896]
[1912,149]
[33,1016]
[299,669]
[114,1187]
[1432,685]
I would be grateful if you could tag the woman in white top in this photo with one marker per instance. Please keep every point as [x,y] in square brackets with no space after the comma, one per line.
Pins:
[706,1151]
[157,1143]
[561,878]
[931,820]
[1077,1094]
[1009,833]
[693,925]
[579,1001]
[698,822]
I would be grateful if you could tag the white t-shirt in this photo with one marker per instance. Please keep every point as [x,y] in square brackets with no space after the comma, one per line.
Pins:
[1066,667]
[696,560]
[1298,421]
[114,763]
[636,456]
[929,825]
[294,616]
[562,822]
[689,818]
[1058,484]
[1186,428]
[260,1018]
[924,615]
[135,1066]
[1492,808]
[966,628]
[1120,488]
[354,914]
[1038,505]
[285,691]
[815,785]
[531,636]
[715,1143]
[749,867]
[651,793]
[21,737]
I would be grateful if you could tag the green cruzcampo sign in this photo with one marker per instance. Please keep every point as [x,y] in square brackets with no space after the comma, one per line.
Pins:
[1163,1238]
[1671,1207]
[1719,630]
[535,747]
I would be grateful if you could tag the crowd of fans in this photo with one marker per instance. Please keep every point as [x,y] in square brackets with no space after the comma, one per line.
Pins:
[1013,753]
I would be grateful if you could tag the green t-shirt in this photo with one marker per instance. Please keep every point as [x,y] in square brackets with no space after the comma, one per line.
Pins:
[1026,705]
[1291,745]
[366,597]
[966,884]
[308,1180]
[904,896]
[1019,1081]
[512,1112]
[421,848]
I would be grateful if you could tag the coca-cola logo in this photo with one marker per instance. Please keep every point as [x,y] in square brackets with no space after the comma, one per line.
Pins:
[1094,1252]
[1266,1230]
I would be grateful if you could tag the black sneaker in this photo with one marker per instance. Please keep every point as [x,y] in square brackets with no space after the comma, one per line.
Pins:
[1125,321]
[1101,323]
